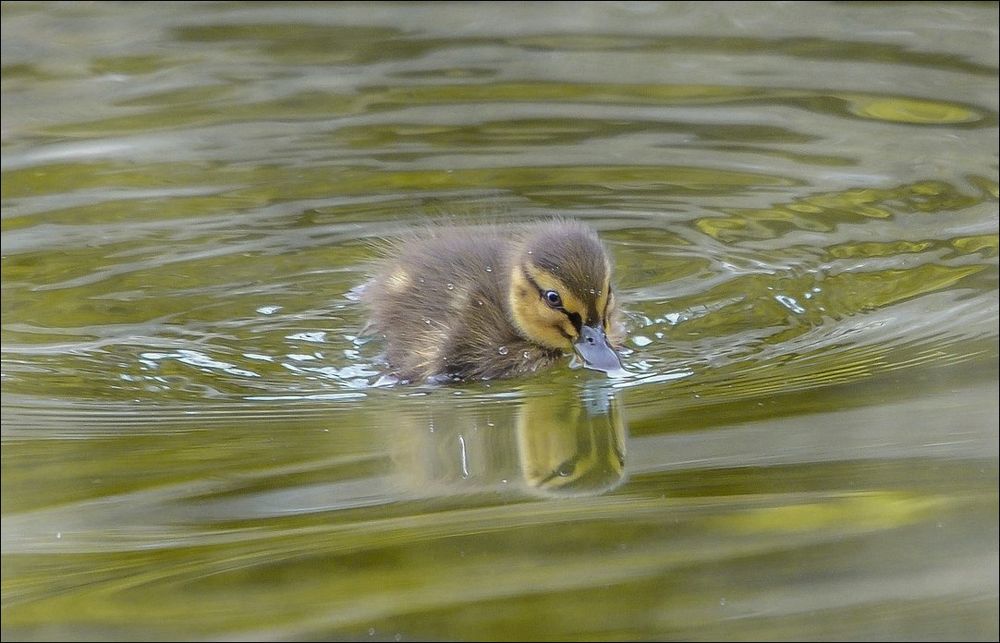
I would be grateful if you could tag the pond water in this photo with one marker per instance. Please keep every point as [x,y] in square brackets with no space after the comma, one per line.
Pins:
[801,205]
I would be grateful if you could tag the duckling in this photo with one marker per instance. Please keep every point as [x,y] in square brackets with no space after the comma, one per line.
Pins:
[483,302]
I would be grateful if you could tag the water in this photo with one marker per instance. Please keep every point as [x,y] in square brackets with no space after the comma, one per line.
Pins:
[801,203]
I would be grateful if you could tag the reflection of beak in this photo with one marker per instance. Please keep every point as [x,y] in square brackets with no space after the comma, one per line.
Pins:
[596,352]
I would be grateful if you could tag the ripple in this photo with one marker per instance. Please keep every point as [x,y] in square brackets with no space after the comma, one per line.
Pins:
[199,442]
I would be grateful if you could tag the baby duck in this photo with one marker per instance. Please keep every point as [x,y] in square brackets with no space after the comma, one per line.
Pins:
[485,302]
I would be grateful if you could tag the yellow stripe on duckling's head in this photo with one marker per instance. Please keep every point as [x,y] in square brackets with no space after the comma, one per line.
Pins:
[560,282]
[535,319]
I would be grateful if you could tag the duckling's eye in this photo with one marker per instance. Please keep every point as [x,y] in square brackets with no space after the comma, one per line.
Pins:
[553,298]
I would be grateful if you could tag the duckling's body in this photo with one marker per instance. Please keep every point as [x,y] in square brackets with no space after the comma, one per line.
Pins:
[484,302]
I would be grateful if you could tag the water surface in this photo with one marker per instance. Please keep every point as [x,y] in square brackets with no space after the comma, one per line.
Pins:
[801,203]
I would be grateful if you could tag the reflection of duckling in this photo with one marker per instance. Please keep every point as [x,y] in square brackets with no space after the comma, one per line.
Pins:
[572,446]
[495,301]
[550,442]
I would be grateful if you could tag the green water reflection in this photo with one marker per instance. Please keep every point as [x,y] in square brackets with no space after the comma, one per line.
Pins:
[800,200]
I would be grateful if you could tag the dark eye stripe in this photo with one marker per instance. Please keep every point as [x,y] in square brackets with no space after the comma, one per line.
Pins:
[574,318]
[541,291]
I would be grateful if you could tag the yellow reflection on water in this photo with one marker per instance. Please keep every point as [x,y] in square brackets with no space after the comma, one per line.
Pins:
[550,443]
[911,110]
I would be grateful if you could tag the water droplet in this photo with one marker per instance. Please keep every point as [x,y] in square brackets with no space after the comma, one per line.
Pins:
[479,301]
[502,350]
[790,304]
[526,354]
[427,321]
[421,280]
[451,286]
[489,268]
[593,292]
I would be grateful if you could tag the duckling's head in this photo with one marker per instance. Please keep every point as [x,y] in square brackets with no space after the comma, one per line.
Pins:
[560,292]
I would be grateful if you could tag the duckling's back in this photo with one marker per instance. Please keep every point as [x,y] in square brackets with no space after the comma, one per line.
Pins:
[441,305]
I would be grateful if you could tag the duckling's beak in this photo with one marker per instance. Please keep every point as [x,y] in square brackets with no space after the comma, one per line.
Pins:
[595,350]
